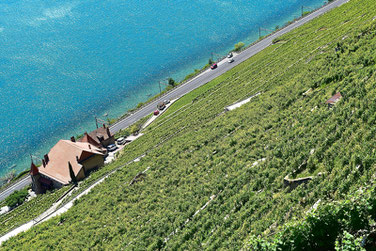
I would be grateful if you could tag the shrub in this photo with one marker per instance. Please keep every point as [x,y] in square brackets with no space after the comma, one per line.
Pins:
[349,242]
[123,133]
[171,82]
[16,198]
[239,46]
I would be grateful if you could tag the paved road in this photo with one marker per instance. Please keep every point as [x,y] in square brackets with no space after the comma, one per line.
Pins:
[198,81]
[16,186]
[223,67]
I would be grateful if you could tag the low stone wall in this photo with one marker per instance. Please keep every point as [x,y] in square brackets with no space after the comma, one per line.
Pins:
[293,183]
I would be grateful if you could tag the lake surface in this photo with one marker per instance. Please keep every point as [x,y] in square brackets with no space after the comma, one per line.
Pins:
[64,62]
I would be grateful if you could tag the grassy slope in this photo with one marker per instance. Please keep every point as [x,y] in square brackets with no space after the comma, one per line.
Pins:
[199,152]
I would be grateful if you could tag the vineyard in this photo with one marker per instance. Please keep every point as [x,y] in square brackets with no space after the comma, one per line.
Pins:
[211,179]
[28,210]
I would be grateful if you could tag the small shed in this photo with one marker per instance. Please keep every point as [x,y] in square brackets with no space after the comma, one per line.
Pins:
[333,100]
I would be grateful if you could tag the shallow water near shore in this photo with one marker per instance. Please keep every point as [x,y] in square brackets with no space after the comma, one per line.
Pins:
[64,62]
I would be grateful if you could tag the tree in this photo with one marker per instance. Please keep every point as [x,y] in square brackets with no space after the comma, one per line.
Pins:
[171,82]
[238,46]
[72,175]
[210,61]
[135,129]
[16,198]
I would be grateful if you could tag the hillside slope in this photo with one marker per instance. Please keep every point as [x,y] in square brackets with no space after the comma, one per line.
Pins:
[215,178]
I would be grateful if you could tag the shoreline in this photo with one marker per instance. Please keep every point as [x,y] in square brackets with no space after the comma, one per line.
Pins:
[149,100]
[269,45]
[198,72]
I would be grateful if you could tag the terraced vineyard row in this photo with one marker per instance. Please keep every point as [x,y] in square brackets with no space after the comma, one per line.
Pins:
[29,210]
[216,178]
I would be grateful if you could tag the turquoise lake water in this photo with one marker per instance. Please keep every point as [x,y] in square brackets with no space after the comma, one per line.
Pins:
[64,62]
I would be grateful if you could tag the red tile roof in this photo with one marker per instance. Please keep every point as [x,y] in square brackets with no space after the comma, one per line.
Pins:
[64,151]
[334,99]
[87,139]
[33,169]
[98,135]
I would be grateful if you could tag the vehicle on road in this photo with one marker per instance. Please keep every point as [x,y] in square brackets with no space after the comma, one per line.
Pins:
[156,112]
[213,66]
[111,147]
[121,141]
[230,55]
[161,106]
[230,60]
[166,101]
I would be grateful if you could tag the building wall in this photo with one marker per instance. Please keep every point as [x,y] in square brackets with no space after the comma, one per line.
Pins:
[93,162]
[56,184]
[81,174]
[36,186]
[108,141]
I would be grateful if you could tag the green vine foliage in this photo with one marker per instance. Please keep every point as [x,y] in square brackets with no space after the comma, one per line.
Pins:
[214,180]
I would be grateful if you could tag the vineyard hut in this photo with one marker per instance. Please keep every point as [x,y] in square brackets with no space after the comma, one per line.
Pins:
[333,100]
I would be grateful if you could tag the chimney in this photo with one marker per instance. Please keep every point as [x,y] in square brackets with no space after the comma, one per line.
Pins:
[89,146]
[43,163]
[108,132]
[73,139]
[77,159]
[46,159]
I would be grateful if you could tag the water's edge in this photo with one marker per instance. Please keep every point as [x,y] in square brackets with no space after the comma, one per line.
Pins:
[118,109]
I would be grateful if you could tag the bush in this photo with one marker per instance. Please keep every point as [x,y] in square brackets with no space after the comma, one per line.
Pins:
[305,13]
[135,129]
[16,198]
[171,82]
[112,121]
[21,174]
[123,133]
[239,46]
[349,242]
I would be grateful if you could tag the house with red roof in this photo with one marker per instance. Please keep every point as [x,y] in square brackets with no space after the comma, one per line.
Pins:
[101,136]
[54,171]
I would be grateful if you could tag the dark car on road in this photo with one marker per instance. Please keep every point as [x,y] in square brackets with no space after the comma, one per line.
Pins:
[213,66]
[161,106]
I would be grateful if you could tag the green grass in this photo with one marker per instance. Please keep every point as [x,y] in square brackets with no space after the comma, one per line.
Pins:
[202,191]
